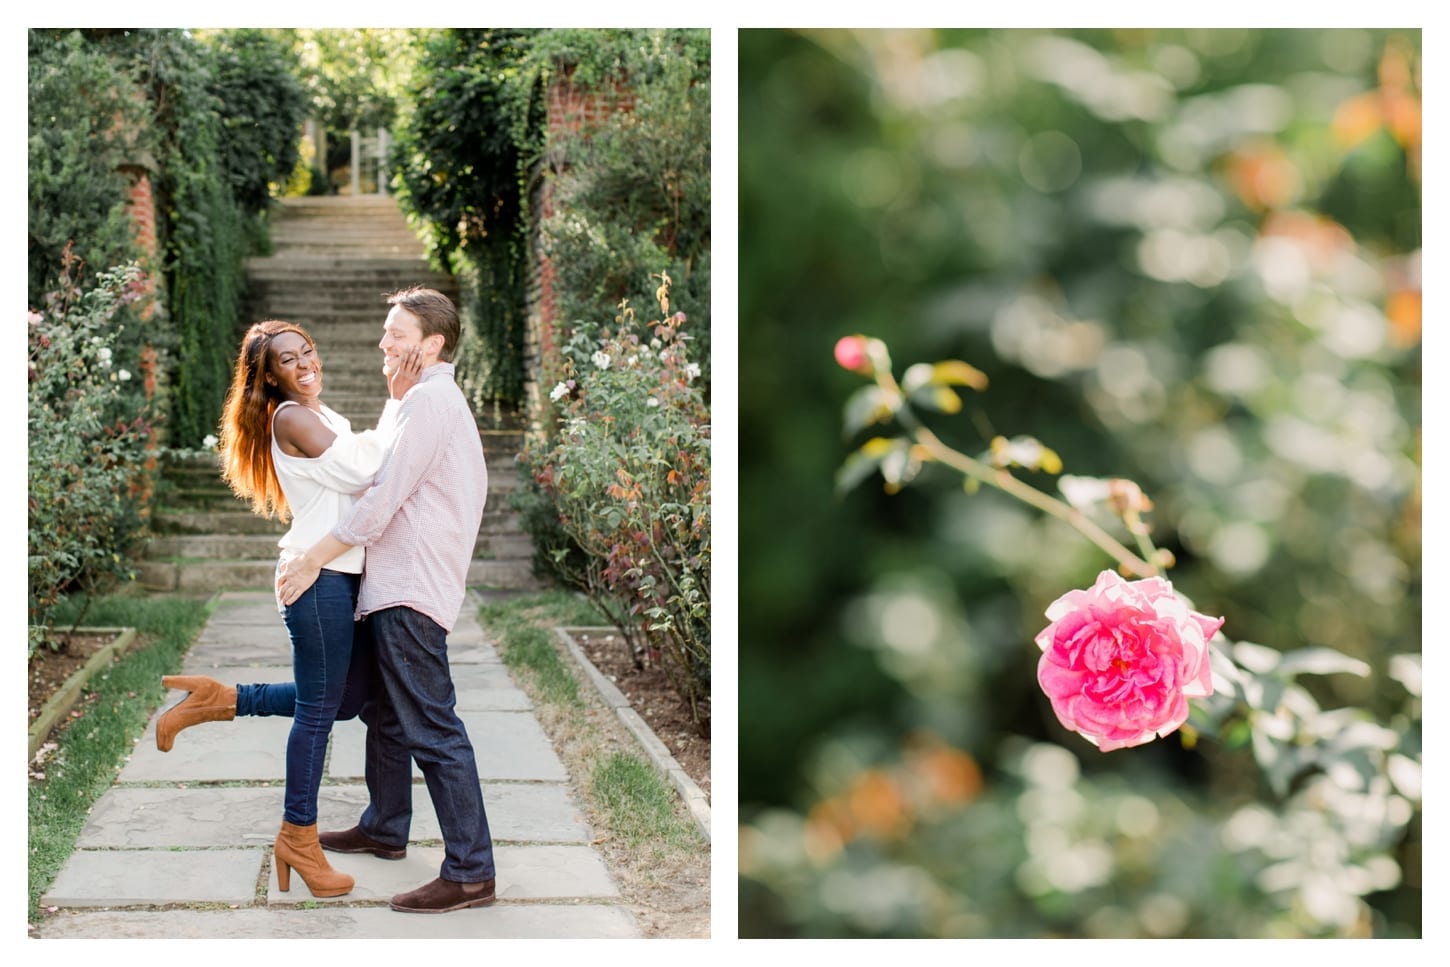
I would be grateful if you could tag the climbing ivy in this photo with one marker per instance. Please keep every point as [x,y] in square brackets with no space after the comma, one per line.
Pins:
[462,157]
[87,121]
[213,125]
[472,150]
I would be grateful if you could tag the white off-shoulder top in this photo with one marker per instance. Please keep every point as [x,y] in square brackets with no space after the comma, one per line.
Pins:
[321,490]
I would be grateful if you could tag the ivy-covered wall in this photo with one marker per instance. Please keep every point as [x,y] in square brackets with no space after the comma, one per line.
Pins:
[208,127]
[553,172]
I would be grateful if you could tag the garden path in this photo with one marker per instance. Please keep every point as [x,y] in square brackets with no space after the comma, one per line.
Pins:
[180,846]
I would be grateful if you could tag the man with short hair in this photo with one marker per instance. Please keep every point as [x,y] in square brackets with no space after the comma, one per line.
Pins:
[419,522]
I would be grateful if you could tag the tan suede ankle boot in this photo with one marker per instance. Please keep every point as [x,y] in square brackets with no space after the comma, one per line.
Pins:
[209,701]
[297,848]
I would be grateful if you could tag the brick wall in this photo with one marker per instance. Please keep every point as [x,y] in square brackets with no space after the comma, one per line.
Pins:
[572,111]
[141,204]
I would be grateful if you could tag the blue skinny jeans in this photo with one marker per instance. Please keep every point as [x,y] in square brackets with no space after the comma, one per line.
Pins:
[323,634]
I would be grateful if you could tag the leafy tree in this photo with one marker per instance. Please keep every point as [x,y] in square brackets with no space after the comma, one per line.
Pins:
[262,106]
[87,124]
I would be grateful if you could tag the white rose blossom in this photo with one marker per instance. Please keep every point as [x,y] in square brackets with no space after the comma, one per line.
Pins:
[692,370]
[208,441]
[601,359]
[651,402]
[124,375]
[559,392]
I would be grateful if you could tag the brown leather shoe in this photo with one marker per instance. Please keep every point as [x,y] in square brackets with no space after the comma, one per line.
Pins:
[355,841]
[442,895]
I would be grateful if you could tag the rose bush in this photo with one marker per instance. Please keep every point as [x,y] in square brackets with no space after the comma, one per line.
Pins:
[625,490]
[1121,659]
[91,465]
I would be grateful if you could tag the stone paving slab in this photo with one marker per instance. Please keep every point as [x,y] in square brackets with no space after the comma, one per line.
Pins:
[524,873]
[250,749]
[508,745]
[111,878]
[502,921]
[243,816]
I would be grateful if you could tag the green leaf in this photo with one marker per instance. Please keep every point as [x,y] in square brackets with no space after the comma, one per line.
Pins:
[954,372]
[1320,661]
[899,466]
[862,463]
[1257,658]
[867,406]
[937,398]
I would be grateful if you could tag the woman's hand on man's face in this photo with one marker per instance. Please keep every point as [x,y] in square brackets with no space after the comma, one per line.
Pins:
[405,377]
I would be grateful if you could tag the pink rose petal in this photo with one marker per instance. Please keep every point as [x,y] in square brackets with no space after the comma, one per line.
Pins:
[1121,659]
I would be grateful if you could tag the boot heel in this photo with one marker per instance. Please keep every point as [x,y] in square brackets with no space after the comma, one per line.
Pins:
[297,846]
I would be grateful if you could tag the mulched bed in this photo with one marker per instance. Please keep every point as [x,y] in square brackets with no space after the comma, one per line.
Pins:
[49,670]
[651,694]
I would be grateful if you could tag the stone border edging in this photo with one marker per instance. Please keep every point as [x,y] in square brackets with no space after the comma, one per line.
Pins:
[695,799]
[65,698]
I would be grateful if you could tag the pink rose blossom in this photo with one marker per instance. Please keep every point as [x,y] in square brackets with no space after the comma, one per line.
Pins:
[851,354]
[1121,659]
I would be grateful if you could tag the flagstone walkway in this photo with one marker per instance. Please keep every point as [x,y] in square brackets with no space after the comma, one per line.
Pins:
[181,845]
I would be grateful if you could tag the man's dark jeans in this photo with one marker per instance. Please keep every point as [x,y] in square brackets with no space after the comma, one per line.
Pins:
[410,716]
[323,633]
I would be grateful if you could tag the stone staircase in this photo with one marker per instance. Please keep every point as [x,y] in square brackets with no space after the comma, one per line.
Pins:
[333,260]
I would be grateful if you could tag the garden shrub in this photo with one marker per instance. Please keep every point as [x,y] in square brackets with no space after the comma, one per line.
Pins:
[90,470]
[629,478]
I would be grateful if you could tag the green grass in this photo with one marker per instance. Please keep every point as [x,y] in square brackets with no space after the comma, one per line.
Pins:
[526,640]
[92,748]
[637,805]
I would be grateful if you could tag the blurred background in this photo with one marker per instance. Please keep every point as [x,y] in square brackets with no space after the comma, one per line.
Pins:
[1189,258]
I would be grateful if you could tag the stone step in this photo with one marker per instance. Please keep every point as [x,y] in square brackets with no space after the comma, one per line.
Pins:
[334,233]
[497,519]
[363,288]
[351,267]
[333,261]
[203,496]
[257,547]
[202,576]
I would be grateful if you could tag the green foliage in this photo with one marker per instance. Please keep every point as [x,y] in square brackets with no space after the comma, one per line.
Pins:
[214,126]
[526,641]
[462,156]
[639,803]
[635,189]
[353,76]
[203,226]
[632,197]
[1157,246]
[86,123]
[628,476]
[262,107]
[88,467]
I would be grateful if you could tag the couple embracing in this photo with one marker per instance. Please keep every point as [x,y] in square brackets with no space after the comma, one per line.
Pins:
[370,580]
